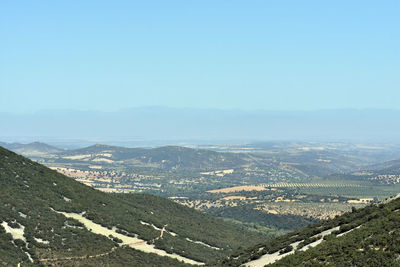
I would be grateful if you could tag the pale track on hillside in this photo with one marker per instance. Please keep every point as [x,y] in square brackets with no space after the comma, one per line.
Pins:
[105,253]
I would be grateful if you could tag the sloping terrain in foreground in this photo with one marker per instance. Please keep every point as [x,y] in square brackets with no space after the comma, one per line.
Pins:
[49,219]
[368,236]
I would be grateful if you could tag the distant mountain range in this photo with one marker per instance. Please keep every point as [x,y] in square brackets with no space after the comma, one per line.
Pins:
[168,124]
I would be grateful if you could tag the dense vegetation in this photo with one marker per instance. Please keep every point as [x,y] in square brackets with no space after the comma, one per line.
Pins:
[372,235]
[247,214]
[29,192]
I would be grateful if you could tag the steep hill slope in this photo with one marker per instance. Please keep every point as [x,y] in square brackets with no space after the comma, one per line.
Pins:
[47,218]
[364,237]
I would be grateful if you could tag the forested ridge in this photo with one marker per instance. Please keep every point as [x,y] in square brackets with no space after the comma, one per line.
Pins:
[31,193]
[368,236]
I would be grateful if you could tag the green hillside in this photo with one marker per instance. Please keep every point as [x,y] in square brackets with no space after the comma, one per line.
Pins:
[37,209]
[368,236]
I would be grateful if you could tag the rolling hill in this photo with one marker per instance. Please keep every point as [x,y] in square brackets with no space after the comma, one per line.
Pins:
[392,166]
[166,157]
[385,173]
[49,219]
[300,158]
[31,149]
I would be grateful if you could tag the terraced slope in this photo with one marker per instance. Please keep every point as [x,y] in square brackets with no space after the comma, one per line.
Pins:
[49,219]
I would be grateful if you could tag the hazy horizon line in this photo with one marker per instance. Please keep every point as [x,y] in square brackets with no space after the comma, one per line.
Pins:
[38,111]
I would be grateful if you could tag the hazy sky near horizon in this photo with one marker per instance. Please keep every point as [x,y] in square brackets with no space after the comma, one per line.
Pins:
[272,55]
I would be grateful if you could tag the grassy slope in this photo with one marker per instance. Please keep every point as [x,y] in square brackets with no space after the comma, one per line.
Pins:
[30,189]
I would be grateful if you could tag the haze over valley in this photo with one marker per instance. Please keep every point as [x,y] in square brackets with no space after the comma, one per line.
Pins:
[199,133]
[156,126]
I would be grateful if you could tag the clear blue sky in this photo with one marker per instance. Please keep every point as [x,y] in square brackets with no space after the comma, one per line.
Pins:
[273,55]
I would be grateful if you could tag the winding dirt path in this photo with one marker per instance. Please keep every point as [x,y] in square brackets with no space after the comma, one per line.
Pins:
[132,245]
